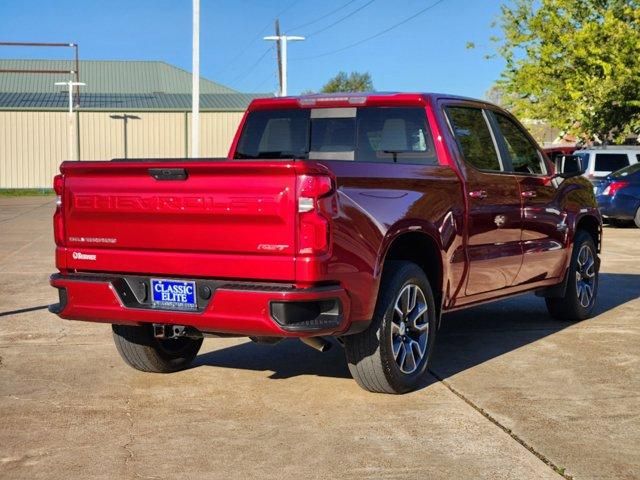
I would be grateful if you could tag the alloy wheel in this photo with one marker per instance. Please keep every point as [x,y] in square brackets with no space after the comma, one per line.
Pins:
[409,328]
[585,276]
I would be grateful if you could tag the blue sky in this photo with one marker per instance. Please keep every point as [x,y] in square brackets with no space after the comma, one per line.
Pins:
[427,53]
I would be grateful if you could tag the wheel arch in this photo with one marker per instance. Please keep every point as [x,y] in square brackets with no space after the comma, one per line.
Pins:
[420,247]
[593,227]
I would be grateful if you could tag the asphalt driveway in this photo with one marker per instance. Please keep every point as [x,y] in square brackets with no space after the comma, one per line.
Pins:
[513,394]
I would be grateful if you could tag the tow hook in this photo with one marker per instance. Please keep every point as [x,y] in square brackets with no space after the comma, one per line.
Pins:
[162,331]
[319,343]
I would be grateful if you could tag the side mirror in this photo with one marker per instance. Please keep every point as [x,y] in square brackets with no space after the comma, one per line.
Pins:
[568,166]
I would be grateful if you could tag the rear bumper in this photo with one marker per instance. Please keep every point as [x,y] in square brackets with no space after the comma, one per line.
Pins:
[232,307]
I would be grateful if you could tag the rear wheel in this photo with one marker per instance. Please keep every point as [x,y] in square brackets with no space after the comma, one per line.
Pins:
[392,355]
[140,349]
[582,285]
[636,218]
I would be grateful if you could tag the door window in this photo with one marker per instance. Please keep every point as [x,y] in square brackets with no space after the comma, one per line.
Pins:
[472,132]
[525,157]
[610,162]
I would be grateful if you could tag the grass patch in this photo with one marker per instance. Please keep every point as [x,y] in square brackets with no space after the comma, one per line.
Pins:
[25,192]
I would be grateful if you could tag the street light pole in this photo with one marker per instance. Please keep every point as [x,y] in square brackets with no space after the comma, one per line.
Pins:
[70,84]
[195,83]
[125,123]
[282,42]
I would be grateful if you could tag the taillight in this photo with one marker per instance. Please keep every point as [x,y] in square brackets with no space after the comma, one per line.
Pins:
[613,187]
[313,219]
[58,216]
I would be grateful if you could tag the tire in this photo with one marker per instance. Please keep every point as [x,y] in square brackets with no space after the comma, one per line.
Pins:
[636,218]
[393,334]
[582,278]
[140,349]
[617,223]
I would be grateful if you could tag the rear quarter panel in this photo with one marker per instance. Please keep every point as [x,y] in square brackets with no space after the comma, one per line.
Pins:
[576,198]
[378,202]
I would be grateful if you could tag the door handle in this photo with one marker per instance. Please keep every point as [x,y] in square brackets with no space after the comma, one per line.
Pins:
[168,173]
[480,194]
[529,194]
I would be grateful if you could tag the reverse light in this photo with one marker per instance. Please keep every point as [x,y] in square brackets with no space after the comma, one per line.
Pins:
[313,219]
[613,187]
[305,204]
[58,216]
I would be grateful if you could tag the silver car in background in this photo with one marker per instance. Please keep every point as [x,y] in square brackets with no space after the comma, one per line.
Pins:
[598,162]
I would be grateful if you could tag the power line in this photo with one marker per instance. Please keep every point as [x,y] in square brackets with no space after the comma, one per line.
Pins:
[259,34]
[245,73]
[336,10]
[386,30]
[267,79]
[340,20]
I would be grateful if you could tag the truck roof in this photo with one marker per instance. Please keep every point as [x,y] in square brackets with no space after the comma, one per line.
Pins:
[354,99]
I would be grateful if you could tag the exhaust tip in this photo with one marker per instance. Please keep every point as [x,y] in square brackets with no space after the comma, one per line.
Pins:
[318,343]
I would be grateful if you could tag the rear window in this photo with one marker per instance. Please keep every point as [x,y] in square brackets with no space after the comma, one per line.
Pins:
[366,134]
[628,171]
[610,162]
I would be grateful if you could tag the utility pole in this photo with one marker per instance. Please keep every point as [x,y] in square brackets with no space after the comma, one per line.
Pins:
[282,55]
[278,56]
[195,83]
[70,84]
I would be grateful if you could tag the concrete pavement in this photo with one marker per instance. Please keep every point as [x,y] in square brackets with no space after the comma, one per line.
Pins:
[513,394]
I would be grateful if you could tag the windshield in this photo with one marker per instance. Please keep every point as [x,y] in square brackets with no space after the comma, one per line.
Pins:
[366,134]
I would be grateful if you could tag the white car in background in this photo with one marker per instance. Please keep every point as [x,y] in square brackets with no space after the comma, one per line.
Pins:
[598,162]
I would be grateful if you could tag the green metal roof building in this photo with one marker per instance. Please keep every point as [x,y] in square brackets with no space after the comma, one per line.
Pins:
[113,84]
[146,103]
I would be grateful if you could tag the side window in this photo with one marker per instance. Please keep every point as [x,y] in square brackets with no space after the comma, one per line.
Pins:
[395,135]
[610,162]
[525,157]
[474,137]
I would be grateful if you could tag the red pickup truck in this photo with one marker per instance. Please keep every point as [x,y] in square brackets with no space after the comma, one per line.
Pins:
[363,217]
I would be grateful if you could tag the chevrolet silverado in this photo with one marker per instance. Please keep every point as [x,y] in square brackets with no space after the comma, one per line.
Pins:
[363,217]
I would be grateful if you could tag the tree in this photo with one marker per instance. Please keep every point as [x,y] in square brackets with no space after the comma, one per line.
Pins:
[574,63]
[495,94]
[353,82]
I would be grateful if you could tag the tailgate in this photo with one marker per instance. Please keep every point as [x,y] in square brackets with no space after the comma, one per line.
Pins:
[214,218]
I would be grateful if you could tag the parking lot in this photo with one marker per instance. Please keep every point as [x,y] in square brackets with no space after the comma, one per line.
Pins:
[513,393]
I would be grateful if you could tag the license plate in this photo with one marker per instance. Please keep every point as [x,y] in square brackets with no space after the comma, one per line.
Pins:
[173,294]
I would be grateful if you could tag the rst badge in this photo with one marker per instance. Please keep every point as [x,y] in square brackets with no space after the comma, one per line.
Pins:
[173,294]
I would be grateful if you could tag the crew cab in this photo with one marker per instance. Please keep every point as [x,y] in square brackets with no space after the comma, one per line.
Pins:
[363,217]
